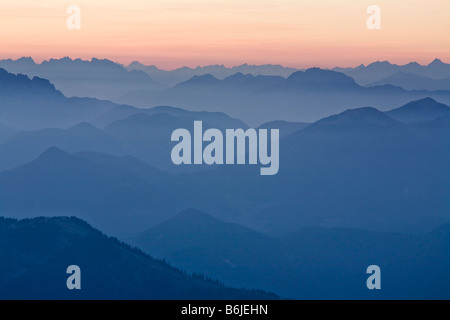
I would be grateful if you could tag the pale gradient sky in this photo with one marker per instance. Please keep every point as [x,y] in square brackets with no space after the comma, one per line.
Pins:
[173,33]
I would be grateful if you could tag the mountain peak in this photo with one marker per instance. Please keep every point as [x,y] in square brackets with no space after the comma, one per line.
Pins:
[419,110]
[425,104]
[141,276]
[360,116]
[136,63]
[238,76]
[20,83]
[436,62]
[380,64]
[28,60]
[315,77]
[192,216]
[53,153]
[426,100]
[204,79]
[363,112]
[43,84]
[192,219]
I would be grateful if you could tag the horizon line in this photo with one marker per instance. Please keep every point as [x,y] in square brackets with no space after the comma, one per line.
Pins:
[227,66]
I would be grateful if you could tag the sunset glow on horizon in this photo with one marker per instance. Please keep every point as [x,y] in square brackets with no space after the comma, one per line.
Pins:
[175,33]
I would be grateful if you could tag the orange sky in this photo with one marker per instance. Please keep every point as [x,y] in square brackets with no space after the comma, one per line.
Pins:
[173,33]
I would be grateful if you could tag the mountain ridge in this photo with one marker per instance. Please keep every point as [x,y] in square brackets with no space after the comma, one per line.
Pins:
[63,241]
[419,110]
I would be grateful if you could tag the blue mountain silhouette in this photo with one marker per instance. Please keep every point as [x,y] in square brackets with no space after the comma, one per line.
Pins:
[97,78]
[116,199]
[420,110]
[319,263]
[304,96]
[379,70]
[110,269]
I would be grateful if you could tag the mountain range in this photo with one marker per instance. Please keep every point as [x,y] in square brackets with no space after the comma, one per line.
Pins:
[109,268]
[121,195]
[305,96]
[420,110]
[105,79]
[374,172]
[173,77]
[109,197]
[364,179]
[35,116]
[142,133]
[97,78]
[26,146]
[194,241]
[382,70]
[312,263]
[395,174]
[410,81]
[411,76]
[28,104]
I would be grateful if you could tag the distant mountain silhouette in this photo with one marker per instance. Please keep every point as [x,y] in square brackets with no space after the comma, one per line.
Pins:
[25,146]
[28,104]
[419,110]
[142,133]
[250,80]
[121,195]
[147,136]
[206,79]
[312,263]
[98,78]
[318,79]
[217,119]
[176,185]
[411,81]
[109,269]
[376,158]
[127,163]
[379,70]
[34,104]
[362,117]
[208,87]
[237,82]
[285,127]
[237,255]
[305,96]
[358,169]
[351,178]
[360,154]
[176,76]
[57,183]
